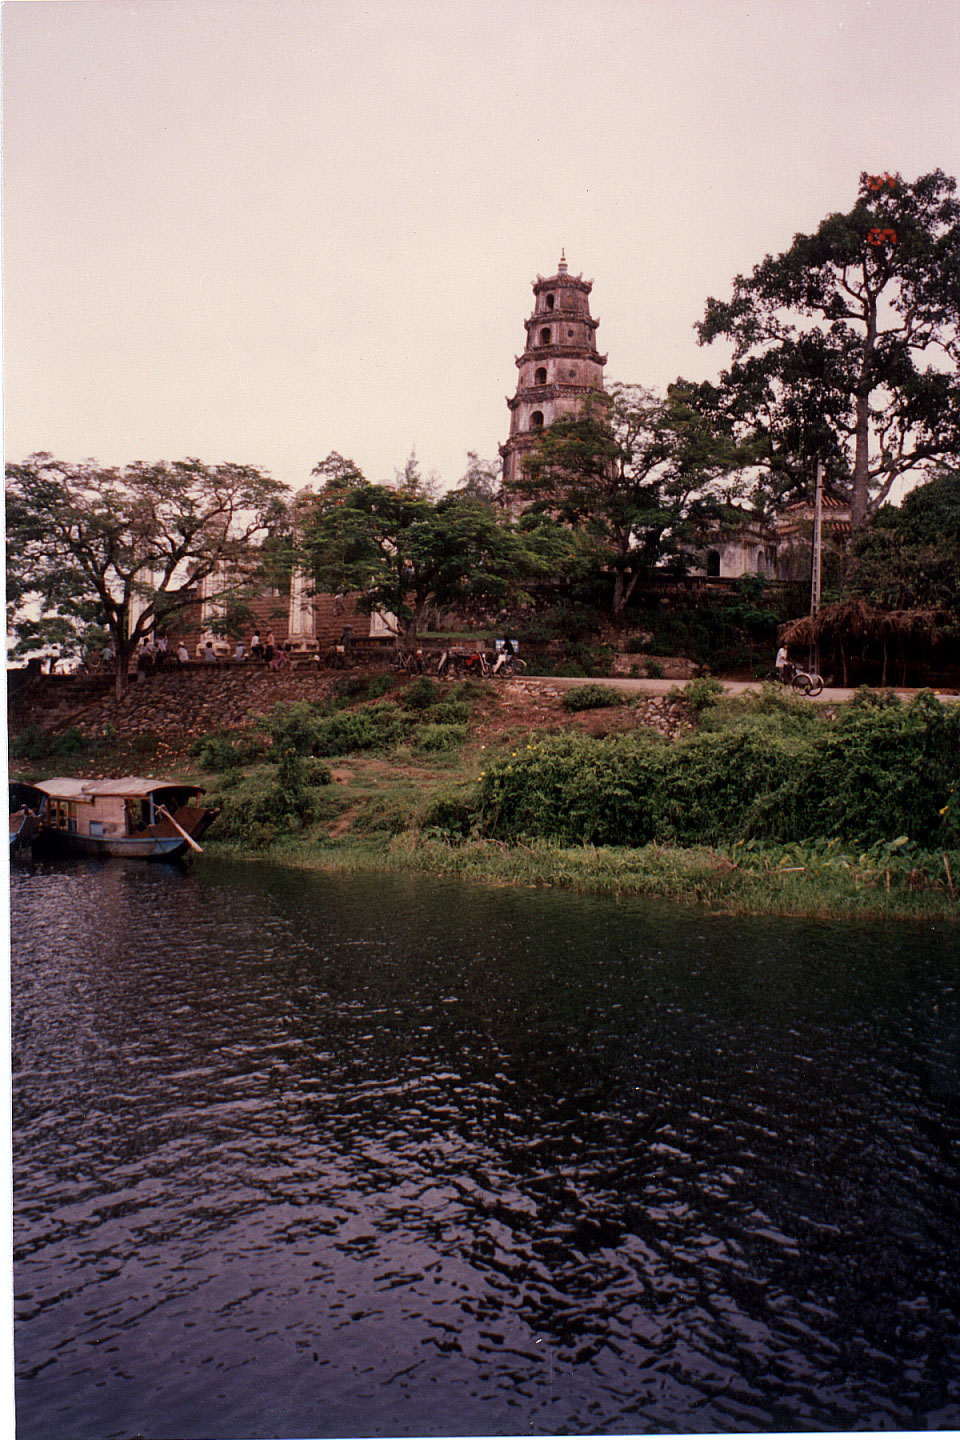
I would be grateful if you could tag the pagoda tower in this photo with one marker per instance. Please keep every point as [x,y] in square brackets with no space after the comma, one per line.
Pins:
[559,367]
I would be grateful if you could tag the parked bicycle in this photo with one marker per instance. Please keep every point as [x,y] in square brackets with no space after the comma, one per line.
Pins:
[407,662]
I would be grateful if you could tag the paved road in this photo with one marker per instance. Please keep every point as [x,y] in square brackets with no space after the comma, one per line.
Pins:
[733,687]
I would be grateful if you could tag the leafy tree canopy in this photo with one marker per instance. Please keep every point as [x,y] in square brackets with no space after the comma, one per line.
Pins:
[399,550]
[634,475]
[910,557]
[846,346]
[94,551]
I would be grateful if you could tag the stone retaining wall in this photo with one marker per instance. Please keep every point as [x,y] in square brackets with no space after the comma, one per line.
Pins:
[176,705]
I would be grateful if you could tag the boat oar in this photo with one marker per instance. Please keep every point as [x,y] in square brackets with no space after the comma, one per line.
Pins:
[162,810]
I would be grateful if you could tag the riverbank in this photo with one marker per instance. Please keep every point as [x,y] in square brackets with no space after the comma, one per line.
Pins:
[855,888]
[536,784]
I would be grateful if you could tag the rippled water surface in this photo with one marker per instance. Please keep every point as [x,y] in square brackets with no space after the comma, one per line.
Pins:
[307,1156]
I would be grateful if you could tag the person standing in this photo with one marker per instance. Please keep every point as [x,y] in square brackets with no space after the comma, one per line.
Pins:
[781,661]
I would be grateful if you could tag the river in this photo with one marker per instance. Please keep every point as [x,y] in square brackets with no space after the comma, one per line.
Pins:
[302,1156]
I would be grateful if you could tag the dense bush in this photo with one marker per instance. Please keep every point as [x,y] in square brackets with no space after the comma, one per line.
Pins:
[311,730]
[31,743]
[725,632]
[223,752]
[258,809]
[702,693]
[591,697]
[451,712]
[421,693]
[880,772]
[376,727]
[434,738]
[296,725]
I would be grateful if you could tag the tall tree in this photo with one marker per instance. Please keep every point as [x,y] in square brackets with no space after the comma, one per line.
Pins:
[481,477]
[399,550]
[846,346]
[634,475]
[126,550]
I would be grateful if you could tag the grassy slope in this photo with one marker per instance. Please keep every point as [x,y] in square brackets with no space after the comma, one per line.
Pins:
[368,819]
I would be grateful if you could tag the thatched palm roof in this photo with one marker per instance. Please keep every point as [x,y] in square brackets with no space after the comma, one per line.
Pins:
[856,620]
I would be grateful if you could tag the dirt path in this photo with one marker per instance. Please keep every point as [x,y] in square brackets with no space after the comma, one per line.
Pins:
[734,687]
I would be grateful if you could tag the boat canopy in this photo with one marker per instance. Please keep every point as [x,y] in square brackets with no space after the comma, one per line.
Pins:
[130,787]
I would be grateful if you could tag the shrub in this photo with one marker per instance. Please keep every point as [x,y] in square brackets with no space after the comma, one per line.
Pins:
[421,693]
[591,697]
[654,670]
[70,743]
[297,725]
[258,809]
[379,685]
[449,817]
[434,738]
[701,694]
[224,752]
[879,773]
[573,790]
[452,712]
[32,743]
[377,727]
[363,687]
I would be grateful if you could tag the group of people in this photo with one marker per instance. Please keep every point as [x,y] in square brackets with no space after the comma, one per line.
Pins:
[154,654]
[267,651]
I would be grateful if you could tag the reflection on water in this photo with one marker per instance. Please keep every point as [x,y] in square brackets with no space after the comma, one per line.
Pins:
[307,1156]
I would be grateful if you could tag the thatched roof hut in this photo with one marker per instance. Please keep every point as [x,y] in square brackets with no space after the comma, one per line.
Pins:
[863,637]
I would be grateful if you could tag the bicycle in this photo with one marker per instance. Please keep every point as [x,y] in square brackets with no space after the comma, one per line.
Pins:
[805,682]
[407,662]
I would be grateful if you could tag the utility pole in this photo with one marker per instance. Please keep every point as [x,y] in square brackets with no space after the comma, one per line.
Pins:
[816,558]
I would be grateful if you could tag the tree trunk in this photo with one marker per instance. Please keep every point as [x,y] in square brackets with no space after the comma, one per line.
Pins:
[860,498]
[122,678]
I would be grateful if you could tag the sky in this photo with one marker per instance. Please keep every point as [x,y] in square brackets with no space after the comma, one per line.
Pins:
[262,230]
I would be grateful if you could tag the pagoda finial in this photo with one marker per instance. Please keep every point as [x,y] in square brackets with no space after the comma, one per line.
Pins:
[563,261]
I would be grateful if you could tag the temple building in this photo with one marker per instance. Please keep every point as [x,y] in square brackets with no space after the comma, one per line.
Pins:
[559,367]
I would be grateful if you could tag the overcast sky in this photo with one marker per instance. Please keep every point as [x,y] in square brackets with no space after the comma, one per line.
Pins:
[261,230]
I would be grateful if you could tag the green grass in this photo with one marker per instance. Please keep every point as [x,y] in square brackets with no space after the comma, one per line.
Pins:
[693,874]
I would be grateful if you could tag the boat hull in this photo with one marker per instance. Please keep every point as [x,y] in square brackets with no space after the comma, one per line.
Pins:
[147,845]
[115,847]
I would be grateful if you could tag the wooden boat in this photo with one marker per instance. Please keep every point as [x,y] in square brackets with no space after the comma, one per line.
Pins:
[25,805]
[128,817]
